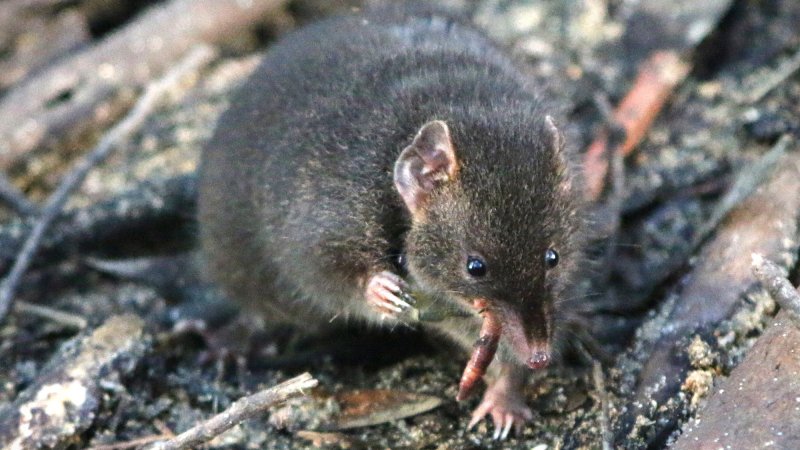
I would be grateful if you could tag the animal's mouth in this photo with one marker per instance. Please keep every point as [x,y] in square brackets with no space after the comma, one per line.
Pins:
[534,353]
[531,349]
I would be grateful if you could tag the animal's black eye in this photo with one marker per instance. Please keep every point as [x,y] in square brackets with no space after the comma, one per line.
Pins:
[475,266]
[550,258]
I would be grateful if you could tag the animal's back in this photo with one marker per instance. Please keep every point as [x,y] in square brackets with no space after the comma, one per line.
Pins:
[297,198]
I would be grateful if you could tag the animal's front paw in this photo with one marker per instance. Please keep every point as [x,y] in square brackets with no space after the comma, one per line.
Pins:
[507,409]
[388,294]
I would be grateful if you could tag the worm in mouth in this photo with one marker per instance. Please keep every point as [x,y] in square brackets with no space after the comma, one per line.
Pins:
[482,353]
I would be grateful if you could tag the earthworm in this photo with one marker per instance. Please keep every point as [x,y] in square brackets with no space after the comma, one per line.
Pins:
[482,353]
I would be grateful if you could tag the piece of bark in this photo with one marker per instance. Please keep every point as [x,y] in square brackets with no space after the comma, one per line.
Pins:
[765,223]
[758,405]
[85,92]
[64,399]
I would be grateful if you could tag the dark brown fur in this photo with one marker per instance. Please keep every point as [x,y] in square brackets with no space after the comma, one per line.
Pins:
[298,207]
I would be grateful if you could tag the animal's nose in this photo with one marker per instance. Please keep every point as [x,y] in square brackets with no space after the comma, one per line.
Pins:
[538,360]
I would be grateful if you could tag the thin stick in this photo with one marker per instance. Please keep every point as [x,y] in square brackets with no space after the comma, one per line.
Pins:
[773,278]
[11,196]
[54,315]
[197,58]
[786,70]
[241,410]
[657,78]
[747,181]
[600,385]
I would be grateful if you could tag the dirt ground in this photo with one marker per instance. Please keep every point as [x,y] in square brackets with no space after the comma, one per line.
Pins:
[671,300]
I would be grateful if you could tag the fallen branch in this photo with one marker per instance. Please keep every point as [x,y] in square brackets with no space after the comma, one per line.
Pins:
[773,80]
[605,408]
[756,406]
[71,100]
[242,409]
[765,223]
[773,278]
[146,104]
[53,315]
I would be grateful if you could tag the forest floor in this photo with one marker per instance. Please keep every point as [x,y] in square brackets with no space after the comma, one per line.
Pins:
[112,342]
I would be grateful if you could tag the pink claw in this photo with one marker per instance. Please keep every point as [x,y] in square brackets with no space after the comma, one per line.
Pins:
[385,294]
[506,410]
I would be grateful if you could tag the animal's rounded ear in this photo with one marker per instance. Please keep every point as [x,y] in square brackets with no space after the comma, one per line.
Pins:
[427,163]
[556,137]
[562,159]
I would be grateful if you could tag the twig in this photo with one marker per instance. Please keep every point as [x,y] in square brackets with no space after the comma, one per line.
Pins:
[12,197]
[54,315]
[242,409]
[786,70]
[656,79]
[747,181]
[149,100]
[600,385]
[773,278]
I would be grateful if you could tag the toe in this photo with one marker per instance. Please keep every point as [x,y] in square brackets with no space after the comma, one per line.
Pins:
[507,427]
[386,291]
[396,286]
[393,278]
[390,283]
[392,298]
[479,414]
[497,419]
[505,417]
[381,302]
